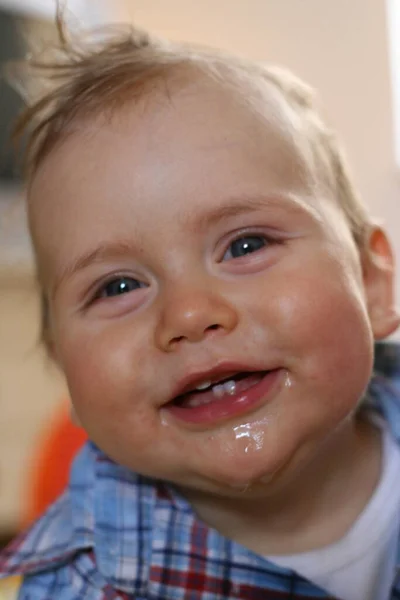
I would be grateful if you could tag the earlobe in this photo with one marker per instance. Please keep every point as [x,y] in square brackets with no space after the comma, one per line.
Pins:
[385,323]
[379,276]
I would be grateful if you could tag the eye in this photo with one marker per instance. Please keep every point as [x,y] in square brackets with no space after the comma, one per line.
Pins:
[119,286]
[245,245]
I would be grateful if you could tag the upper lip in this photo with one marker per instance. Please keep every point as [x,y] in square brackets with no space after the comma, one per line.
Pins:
[218,373]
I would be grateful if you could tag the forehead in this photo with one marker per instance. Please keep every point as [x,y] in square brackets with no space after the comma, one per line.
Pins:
[178,151]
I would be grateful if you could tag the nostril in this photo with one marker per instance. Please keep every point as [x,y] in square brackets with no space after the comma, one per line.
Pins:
[194,337]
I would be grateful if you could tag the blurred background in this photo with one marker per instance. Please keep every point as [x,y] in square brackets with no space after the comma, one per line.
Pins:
[348,49]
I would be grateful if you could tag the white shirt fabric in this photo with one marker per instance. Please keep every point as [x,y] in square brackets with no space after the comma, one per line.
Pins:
[360,566]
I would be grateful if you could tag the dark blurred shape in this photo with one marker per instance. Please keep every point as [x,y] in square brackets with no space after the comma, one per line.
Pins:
[11,48]
[6,538]
[15,30]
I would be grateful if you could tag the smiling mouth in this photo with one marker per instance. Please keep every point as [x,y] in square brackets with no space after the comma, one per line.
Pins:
[210,403]
[211,392]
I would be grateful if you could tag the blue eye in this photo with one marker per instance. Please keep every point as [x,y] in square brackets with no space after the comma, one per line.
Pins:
[119,286]
[245,245]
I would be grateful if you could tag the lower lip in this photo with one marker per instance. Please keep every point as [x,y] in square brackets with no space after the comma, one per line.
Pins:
[230,406]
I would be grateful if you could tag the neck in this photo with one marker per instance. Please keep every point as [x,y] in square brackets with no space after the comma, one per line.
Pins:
[315,509]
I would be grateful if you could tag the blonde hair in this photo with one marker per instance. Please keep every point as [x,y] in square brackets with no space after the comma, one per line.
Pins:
[80,77]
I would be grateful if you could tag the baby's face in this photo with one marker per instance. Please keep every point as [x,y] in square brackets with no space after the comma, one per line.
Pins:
[181,246]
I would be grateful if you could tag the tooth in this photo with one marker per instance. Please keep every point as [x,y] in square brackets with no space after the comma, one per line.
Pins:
[203,386]
[194,402]
[230,387]
[218,390]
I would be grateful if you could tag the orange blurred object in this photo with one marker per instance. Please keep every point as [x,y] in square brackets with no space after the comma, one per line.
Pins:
[49,470]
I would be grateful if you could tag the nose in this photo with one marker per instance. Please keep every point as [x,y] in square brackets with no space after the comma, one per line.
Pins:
[192,314]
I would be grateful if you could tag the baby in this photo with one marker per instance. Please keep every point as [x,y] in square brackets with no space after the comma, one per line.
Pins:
[213,290]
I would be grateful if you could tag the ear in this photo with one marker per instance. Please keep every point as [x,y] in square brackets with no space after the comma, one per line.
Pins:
[379,277]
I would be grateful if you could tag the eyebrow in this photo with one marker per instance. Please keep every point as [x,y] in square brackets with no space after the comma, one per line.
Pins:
[232,207]
[243,204]
[105,251]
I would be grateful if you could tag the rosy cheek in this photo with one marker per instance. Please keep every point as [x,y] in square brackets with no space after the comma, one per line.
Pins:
[107,370]
[309,314]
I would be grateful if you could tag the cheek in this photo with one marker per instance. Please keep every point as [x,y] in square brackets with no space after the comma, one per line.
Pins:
[106,375]
[317,319]
[326,326]
[329,314]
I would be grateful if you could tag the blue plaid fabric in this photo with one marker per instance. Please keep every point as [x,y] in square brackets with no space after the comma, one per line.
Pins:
[117,535]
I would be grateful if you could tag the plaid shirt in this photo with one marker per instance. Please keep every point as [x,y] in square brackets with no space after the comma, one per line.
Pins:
[116,535]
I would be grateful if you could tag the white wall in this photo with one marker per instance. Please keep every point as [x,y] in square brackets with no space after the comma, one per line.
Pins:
[393,11]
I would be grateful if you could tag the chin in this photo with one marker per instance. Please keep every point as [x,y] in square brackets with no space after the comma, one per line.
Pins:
[256,477]
[247,480]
